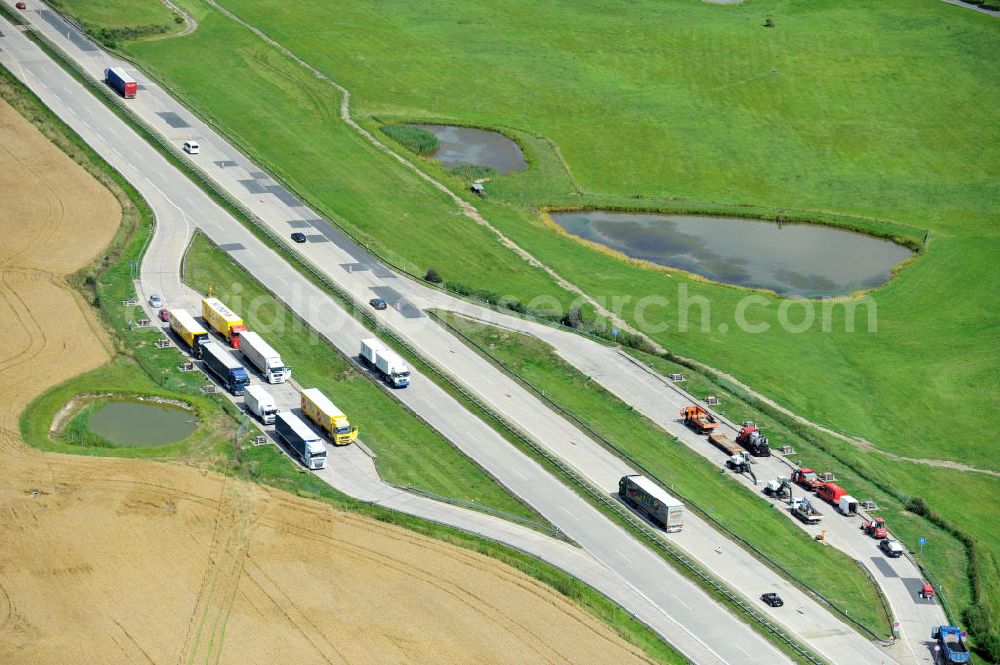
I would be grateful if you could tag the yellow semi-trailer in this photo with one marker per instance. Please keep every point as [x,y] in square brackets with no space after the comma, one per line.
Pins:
[188,330]
[222,320]
[328,417]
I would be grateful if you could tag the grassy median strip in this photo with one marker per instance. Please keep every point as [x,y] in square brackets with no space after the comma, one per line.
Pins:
[828,571]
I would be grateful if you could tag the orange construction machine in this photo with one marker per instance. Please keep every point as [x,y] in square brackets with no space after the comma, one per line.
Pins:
[698,419]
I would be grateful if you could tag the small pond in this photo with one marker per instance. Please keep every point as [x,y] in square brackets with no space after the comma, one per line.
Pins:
[790,259]
[129,423]
[466,145]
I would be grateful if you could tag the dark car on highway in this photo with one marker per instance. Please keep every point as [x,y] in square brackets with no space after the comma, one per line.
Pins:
[891,548]
[772,599]
[298,236]
[378,303]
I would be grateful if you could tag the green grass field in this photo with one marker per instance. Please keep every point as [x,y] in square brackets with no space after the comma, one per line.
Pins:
[111,21]
[409,453]
[845,111]
[838,147]
[117,14]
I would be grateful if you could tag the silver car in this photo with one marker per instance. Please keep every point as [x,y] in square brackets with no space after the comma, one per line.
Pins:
[155,301]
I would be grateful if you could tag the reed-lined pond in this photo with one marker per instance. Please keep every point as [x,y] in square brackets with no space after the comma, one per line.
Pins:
[790,259]
[466,145]
[128,423]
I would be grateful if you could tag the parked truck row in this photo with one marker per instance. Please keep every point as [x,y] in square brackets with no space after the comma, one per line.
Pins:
[258,354]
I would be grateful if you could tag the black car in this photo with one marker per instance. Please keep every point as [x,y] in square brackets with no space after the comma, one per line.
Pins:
[378,303]
[772,599]
[298,236]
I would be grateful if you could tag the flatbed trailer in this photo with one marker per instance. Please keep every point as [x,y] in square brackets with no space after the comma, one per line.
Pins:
[721,441]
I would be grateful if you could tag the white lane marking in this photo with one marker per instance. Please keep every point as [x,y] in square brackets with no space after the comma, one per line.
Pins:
[677,623]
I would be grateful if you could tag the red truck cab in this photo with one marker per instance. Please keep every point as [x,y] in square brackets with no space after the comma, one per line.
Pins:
[234,335]
[830,492]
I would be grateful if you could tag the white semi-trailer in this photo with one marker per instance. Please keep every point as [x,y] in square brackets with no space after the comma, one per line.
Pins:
[650,500]
[386,362]
[305,443]
[260,403]
[260,354]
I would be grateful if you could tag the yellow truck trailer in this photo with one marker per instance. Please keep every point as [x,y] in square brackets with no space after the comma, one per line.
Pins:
[222,320]
[328,417]
[188,331]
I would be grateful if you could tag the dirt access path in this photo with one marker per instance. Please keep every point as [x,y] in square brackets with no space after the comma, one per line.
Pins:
[110,560]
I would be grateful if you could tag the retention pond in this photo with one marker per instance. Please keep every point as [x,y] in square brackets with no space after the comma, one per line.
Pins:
[466,145]
[790,259]
[127,423]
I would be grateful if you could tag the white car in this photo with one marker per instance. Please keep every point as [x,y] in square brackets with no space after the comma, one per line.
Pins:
[891,548]
[191,147]
[155,301]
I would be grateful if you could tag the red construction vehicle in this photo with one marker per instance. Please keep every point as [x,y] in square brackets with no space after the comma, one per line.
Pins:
[698,419]
[806,478]
[875,528]
[830,493]
[927,593]
[751,439]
